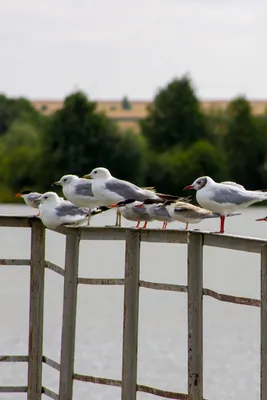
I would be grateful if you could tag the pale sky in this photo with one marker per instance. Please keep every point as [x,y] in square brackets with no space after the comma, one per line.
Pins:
[112,48]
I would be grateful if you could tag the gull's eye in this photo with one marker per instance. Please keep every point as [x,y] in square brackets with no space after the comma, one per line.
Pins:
[199,182]
[46,197]
[65,180]
[95,172]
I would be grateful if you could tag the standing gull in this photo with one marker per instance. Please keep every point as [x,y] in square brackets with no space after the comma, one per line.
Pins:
[55,212]
[109,190]
[30,198]
[157,211]
[224,198]
[78,191]
[133,211]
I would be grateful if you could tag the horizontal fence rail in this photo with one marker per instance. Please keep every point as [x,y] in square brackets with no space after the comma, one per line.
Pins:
[194,240]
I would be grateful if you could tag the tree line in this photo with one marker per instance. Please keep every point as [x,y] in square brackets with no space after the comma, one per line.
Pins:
[177,143]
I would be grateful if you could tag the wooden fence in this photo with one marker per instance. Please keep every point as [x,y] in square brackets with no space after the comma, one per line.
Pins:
[133,237]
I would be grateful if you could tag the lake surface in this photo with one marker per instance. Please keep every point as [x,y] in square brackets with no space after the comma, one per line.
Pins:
[231,332]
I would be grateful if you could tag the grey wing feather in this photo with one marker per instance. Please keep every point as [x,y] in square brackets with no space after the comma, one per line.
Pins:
[69,209]
[84,189]
[230,195]
[161,212]
[125,189]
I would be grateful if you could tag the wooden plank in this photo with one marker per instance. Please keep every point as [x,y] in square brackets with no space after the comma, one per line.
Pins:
[16,221]
[69,317]
[101,281]
[50,393]
[14,358]
[232,242]
[37,280]
[195,315]
[8,261]
[13,389]
[131,311]
[164,236]
[51,363]
[263,384]
[55,268]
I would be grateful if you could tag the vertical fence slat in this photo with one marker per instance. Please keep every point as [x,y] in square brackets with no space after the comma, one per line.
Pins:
[264,323]
[195,315]
[37,278]
[131,311]
[69,317]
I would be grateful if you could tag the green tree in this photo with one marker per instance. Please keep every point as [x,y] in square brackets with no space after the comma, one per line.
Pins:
[13,109]
[78,139]
[245,145]
[20,151]
[174,117]
[174,169]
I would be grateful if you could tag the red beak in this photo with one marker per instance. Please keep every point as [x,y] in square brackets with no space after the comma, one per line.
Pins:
[139,205]
[18,195]
[261,219]
[113,205]
[188,187]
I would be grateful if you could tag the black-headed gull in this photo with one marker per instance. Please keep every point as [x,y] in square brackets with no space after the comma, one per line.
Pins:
[157,211]
[225,197]
[30,197]
[133,211]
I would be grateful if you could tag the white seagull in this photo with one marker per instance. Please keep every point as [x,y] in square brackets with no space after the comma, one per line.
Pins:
[78,191]
[133,211]
[55,212]
[109,190]
[225,197]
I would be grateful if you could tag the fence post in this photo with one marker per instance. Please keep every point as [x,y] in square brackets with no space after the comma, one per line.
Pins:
[37,278]
[69,317]
[195,315]
[264,323]
[131,311]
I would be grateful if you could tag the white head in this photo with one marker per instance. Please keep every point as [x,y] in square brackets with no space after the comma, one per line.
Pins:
[49,198]
[200,183]
[99,173]
[66,180]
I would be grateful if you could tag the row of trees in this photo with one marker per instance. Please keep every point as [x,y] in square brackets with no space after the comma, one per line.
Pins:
[177,143]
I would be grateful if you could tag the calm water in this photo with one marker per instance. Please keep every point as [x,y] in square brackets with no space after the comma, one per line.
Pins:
[231,332]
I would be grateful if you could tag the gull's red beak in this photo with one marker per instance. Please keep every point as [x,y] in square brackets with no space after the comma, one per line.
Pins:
[139,205]
[188,187]
[18,195]
[261,219]
[113,205]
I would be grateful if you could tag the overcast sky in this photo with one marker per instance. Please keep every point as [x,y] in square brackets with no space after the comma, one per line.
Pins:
[111,48]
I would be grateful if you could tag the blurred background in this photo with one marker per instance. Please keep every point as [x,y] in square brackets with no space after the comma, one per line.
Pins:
[158,91]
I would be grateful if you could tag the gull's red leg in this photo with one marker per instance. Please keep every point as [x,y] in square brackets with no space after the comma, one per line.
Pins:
[186,226]
[222,217]
[145,225]
[137,225]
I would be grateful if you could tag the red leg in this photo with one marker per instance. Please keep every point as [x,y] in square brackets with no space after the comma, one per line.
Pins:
[222,224]
[164,225]
[145,224]
[37,215]
[186,226]
[137,225]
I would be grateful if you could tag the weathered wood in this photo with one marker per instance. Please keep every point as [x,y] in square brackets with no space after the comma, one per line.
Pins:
[233,242]
[164,236]
[8,261]
[195,315]
[131,311]
[98,380]
[244,301]
[101,281]
[51,363]
[14,358]
[163,286]
[55,268]
[37,279]
[69,317]
[13,389]
[264,323]
[16,221]
[50,393]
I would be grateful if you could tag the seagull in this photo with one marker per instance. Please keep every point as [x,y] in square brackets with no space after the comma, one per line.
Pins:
[188,213]
[55,212]
[109,190]
[78,191]
[157,211]
[30,198]
[224,197]
[133,211]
